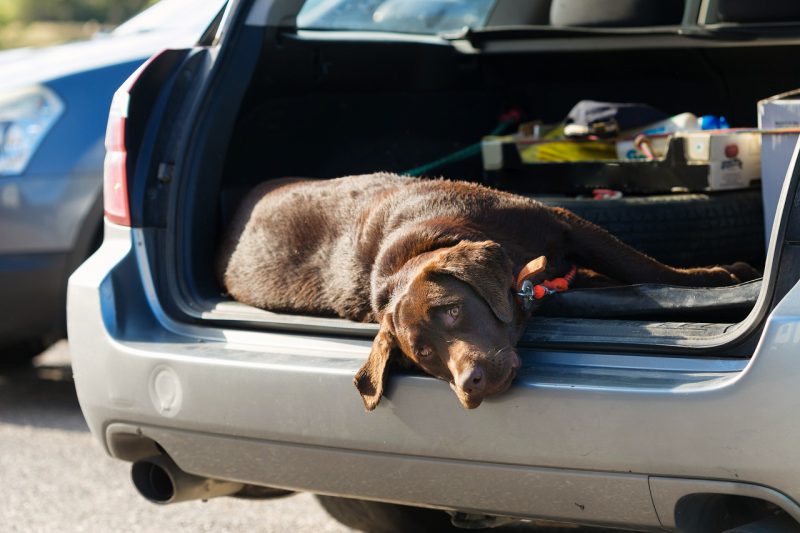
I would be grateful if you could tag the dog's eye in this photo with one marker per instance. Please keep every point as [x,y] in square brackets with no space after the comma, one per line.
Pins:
[452,314]
[424,353]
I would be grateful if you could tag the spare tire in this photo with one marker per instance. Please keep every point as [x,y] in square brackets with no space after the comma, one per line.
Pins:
[380,517]
[682,229]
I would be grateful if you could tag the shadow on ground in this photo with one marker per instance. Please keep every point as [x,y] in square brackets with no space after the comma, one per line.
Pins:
[42,393]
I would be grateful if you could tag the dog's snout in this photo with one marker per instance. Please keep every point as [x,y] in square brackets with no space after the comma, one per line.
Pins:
[471,381]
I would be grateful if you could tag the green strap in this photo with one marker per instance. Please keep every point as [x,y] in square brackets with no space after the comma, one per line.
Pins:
[465,153]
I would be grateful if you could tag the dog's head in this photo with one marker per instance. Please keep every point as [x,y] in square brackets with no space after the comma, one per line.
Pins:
[452,313]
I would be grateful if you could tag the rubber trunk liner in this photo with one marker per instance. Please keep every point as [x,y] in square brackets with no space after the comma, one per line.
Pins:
[654,301]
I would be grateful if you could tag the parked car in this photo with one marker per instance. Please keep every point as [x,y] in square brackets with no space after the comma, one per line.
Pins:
[53,108]
[649,414]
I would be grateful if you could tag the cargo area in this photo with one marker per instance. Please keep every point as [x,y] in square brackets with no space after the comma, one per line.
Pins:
[324,105]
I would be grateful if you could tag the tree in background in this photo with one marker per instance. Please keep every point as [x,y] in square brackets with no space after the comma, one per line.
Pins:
[46,22]
[106,12]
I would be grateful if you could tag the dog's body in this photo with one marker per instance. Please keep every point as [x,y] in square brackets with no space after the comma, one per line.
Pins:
[359,248]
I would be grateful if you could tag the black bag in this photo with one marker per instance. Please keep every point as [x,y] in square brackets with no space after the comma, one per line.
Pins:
[607,119]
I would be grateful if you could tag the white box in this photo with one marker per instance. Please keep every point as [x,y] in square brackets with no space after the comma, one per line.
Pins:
[780,111]
[733,158]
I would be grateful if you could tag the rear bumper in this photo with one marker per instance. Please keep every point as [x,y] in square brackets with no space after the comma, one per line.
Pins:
[276,409]
[33,288]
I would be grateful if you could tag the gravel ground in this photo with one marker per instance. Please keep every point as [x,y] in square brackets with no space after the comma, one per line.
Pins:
[55,477]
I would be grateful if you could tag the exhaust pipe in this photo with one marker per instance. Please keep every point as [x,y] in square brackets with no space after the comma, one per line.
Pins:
[161,481]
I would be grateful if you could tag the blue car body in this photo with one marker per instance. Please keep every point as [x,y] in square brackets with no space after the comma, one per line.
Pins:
[51,212]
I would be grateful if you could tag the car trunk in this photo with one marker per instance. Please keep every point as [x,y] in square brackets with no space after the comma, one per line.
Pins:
[324,105]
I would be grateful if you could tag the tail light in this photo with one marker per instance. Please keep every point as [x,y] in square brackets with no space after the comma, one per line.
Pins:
[115,166]
[115,173]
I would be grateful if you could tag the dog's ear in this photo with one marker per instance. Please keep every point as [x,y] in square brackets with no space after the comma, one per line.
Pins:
[370,378]
[486,268]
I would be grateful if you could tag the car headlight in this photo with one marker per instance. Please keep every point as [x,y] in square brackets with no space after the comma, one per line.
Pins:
[26,115]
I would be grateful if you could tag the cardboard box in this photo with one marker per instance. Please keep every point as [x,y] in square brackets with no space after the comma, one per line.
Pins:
[703,160]
[780,111]
[627,151]
[733,158]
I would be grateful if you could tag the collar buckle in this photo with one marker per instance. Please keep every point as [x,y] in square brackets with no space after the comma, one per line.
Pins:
[526,295]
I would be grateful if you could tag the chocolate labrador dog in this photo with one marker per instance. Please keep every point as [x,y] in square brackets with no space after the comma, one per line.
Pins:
[434,262]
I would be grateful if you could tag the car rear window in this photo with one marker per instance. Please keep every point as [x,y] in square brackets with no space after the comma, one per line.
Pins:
[405,16]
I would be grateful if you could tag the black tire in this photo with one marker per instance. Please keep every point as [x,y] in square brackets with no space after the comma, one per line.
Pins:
[379,517]
[682,229]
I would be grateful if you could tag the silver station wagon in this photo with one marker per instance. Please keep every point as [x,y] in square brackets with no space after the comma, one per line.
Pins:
[642,407]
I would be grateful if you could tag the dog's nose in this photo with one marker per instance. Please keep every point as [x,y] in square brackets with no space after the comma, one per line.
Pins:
[471,381]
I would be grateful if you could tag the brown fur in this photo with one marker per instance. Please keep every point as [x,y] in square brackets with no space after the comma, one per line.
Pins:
[406,253]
